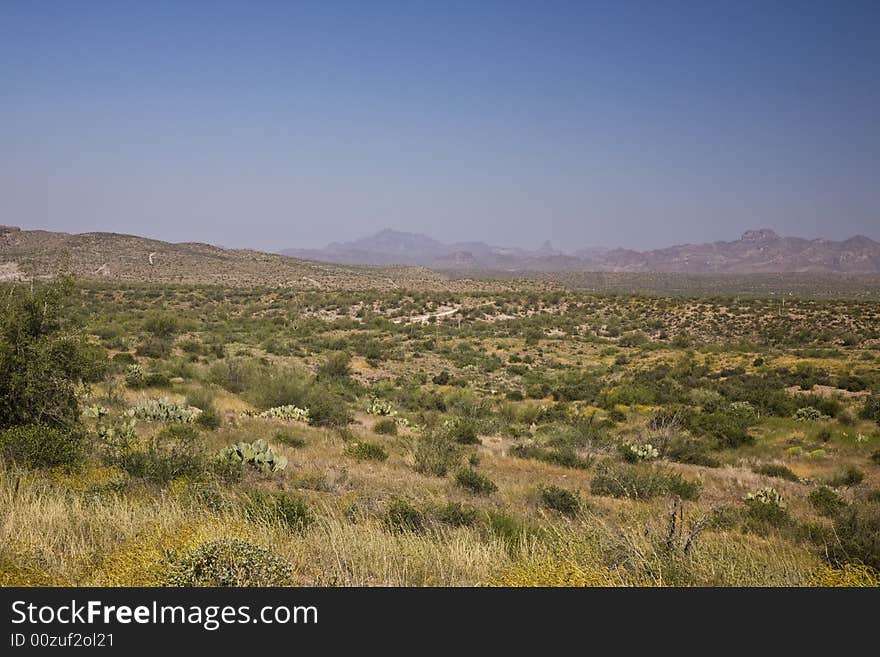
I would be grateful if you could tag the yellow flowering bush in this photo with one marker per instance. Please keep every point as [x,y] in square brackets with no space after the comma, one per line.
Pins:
[850,575]
[93,479]
[554,573]
[16,570]
[144,560]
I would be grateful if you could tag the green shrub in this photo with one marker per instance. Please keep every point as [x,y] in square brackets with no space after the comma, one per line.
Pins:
[157,348]
[692,452]
[828,407]
[208,493]
[39,446]
[634,339]
[471,480]
[776,470]
[727,429]
[574,385]
[564,501]
[209,418]
[871,408]
[858,535]
[173,452]
[155,379]
[849,476]
[463,431]
[41,360]
[278,508]
[682,488]
[564,456]
[227,470]
[624,481]
[456,515]
[366,451]
[766,506]
[724,517]
[506,527]
[327,408]
[825,501]
[846,417]
[229,562]
[193,347]
[93,362]
[640,482]
[434,453]
[282,386]
[402,516]
[289,439]
[234,374]
[745,411]
[337,365]
[852,383]
[161,324]
[122,360]
[386,426]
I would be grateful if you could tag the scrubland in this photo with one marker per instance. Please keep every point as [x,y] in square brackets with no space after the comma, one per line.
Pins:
[163,435]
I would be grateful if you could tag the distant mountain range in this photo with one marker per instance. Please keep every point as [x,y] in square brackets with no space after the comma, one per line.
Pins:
[394,247]
[757,251]
[401,259]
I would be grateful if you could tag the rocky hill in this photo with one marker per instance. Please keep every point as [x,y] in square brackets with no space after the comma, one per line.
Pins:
[28,254]
[757,251]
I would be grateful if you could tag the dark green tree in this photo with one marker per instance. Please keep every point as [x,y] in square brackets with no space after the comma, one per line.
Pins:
[43,355]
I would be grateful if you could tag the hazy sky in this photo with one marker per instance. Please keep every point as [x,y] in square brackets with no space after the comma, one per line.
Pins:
[292,124]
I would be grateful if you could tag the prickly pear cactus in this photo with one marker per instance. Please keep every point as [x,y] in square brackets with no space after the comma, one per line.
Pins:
[380,407]
[162,410]
[257,454]
[95,410]
[288,412]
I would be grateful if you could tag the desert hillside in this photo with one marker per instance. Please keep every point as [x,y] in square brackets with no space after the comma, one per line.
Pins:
[115,257]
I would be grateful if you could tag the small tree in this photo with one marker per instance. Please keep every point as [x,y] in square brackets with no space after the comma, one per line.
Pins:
[42,356]
[871,409]
[336,366]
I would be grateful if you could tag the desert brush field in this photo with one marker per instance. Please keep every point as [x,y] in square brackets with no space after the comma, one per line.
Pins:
[536,435]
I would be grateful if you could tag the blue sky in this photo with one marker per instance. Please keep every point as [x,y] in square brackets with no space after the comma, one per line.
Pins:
[290,124]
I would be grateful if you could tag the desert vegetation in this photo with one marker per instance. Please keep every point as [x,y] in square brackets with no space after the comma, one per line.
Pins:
[163,435]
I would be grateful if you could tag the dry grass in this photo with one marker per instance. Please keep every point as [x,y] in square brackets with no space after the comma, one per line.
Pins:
[111,539]
[120,541]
